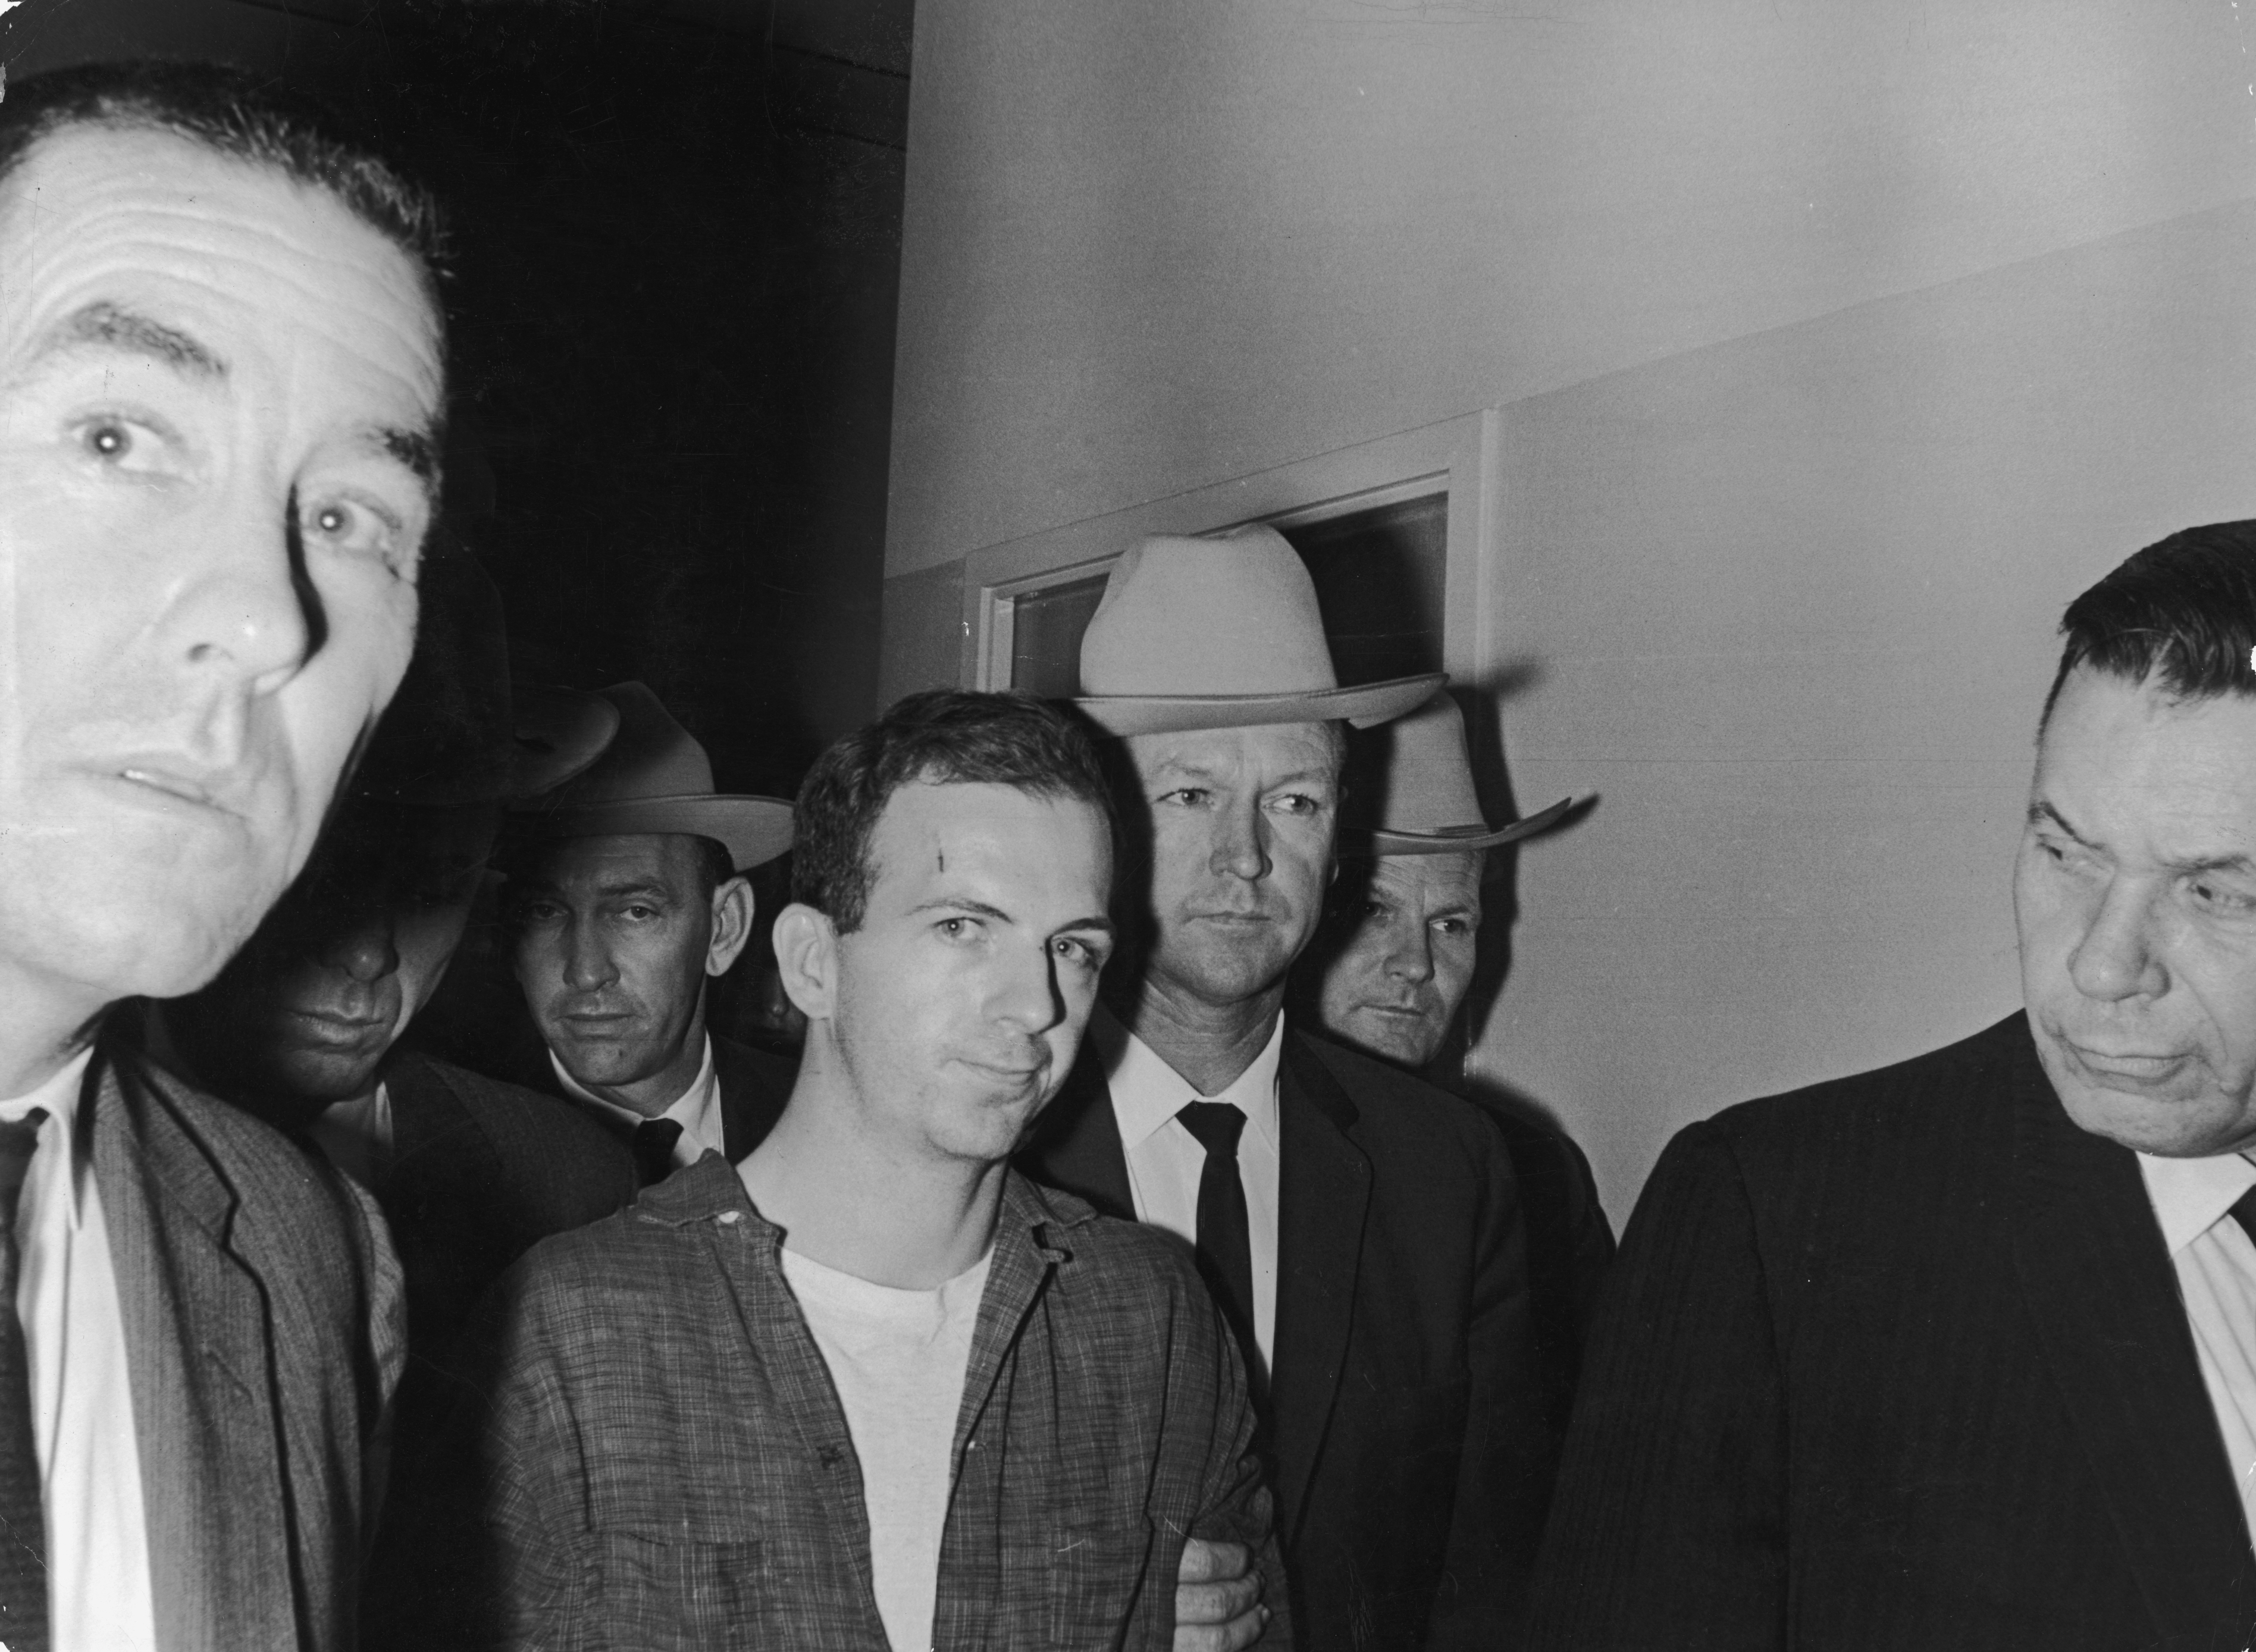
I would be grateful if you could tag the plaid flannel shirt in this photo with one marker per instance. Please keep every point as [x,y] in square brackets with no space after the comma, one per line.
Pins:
[667,1465]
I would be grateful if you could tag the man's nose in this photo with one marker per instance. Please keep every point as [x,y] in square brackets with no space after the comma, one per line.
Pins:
[587,960]
[2117,957]
[1024,992]
[243,611]
[364,952]
[1411,956]
[1241,848]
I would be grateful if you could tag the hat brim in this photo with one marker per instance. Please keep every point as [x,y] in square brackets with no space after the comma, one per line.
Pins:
[560,733]
[1365,705]
[753,829]
[1451,839]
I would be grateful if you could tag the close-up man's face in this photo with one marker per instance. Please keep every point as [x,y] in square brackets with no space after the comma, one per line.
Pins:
[961,996]
[614,939]
[218,392]
[1241,824]
[2135,891]
[1405,959]
[304,1015]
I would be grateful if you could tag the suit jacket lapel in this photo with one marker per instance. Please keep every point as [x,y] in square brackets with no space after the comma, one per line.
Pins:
[198,1361]
[2105,1298]
[1076,1144]
[1324,1195]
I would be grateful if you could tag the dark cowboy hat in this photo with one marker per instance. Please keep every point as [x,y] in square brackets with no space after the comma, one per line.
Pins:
[656,778]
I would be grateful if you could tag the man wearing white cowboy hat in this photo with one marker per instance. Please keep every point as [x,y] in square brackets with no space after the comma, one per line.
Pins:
[1390,971]
[627,896]
[1359,1228]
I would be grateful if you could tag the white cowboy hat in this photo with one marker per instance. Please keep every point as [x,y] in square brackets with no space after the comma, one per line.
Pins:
[656,778]
[1221,633]
[1425,803]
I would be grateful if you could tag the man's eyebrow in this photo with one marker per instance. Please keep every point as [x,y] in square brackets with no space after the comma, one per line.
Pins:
[634,886]
[1102,924]
[414,449]
[2041,811]
[105,325]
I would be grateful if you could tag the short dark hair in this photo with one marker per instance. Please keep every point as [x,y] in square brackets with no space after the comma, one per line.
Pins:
[943,736]
[2183,612]
[233,114]
[716,865]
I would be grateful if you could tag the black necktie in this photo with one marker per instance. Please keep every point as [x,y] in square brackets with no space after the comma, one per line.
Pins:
[654,1149]
[23,1521]
[1225,1244]
[2245,1213]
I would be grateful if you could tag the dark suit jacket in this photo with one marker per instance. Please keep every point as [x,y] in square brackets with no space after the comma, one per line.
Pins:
[481,1171]
[1896,1362]
[264,1333]
[1405,1423]
[1571,1245]
[664,1461]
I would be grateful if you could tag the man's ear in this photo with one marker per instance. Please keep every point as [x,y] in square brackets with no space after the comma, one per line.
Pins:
[807,958]
[732,924]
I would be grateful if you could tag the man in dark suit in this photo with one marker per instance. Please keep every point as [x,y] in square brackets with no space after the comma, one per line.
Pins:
[1360,1228]
[302,1026]
[627,894]
[1389,972]
[221,381]
[1959,1353]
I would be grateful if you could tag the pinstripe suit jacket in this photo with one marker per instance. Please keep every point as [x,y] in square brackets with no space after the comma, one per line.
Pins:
[265,1332]
[667,1464]
[1897,1362]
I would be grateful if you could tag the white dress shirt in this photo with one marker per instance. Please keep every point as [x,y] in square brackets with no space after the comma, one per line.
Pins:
[697,1110]
[98,1589]
[1164,1161]
[2216,1264]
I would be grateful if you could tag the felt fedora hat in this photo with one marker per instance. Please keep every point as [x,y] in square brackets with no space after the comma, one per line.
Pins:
[1424,802]
[656,778]
[459,731]
[1221,633]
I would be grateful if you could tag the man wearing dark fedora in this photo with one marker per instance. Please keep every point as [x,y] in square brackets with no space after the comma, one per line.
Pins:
[1391,967]
[1360,1229]
[627,895]
[302,1027]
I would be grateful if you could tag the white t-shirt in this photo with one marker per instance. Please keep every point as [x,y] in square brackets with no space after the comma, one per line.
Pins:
[898,1359]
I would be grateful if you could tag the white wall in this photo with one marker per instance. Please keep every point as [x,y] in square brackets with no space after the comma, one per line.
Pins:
[1839,346]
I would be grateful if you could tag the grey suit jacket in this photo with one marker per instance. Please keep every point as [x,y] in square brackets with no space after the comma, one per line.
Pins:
[264,1333]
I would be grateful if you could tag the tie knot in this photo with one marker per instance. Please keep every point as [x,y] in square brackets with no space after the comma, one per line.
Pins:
[653,1148]
[1217,1125]
[17,1142]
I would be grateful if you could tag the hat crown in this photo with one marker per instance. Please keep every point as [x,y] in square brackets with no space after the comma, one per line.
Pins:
[651,756]
[1234,616]
[1426,778]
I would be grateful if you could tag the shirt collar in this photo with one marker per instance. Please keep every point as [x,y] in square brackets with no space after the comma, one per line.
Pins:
[59,1096]
[2191,1195]
[687,1109]
[1147,1092]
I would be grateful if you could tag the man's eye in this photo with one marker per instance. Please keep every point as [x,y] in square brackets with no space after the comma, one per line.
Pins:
[122,444]
[1297,803]
[351,525]
[958,928]
[1452,926]
[1187,796]
[2222,897]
